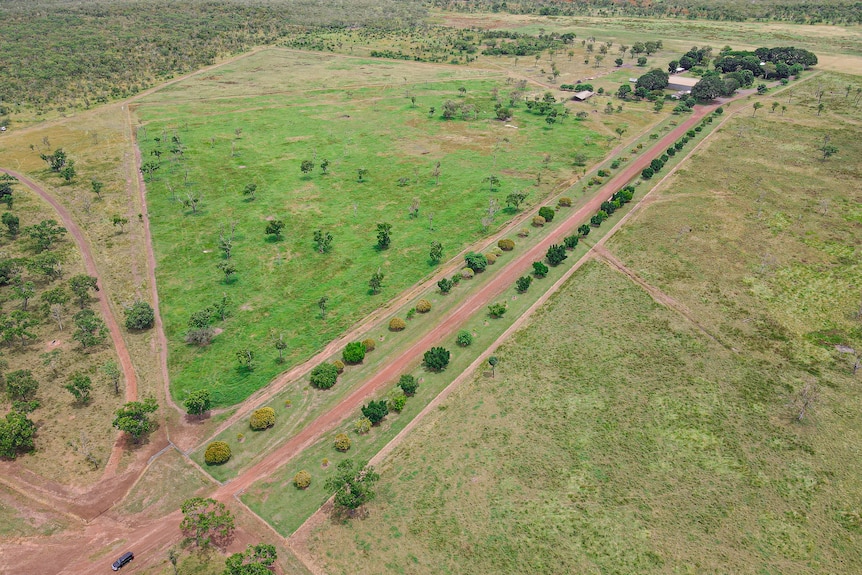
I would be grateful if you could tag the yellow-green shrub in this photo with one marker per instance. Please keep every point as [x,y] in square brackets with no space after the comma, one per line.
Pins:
[302,479]
[538,221]
[262,418]
[506,244]
[339,365]
[491,257]
[342,442]
[369,344]
[423,306]
[217,452]
[564,202]
[397,324]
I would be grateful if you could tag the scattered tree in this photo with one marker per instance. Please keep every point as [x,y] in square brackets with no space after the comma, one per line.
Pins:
[515,199]
[81,285]
[198,402]
[133,418]
[112,372]
[79,386]
[16,435]
[384,235]
[322,241]
[540,270]
[45,234]
[445,285]
[306,167]
[21,385]
[321,303]
[256,560]
[119,221]
[464,338]
[12,224]
[206,522]
[274,228]
[376,282]
[245,358]
[408,384]
[249,191]
[436,252]
[352,484]
[90,330]
[228,269]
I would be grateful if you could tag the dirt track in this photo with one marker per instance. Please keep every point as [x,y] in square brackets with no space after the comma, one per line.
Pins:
[131,381]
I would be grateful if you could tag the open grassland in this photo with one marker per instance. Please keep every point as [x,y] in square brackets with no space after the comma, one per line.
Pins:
[67,430]
[358,115]
[616,437]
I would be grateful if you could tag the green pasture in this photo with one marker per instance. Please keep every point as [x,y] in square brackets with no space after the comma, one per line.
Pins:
[229,141]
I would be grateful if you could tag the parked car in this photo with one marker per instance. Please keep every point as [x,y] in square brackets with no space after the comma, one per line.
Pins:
[124,558]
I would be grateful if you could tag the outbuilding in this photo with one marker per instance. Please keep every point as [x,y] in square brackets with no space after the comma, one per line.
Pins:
[582,96]
[681,83]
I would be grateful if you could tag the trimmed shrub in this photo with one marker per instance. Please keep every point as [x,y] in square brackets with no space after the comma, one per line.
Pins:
[445,285]
[354,352]
[339,365]
[217,452]
[369,344]
[476,262]
[362,425]
[523,283]
[467,273]
[436,358]
[397,324]
[506,244]
[538,221]
[540,270]
[262,418]
[342,442]
[571,242]
[523,232]
[603,173]
[408,384]
[464,338]
[302,479]
[324,376]
[423,306]
[564,202]
[547,213]
[397,400]
[491,258]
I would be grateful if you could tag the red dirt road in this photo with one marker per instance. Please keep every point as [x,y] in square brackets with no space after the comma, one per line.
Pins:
[107,313]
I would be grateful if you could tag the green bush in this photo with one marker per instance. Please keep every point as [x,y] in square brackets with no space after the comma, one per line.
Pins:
[497,309]
[342,442]
[397,324]
[423,306]
[547,213]
[397,401]
[408,384]
[523,283]
[375,411]
[140,316]
[436,358]
[464,338]
[506,244]
[571,242]
[302,479]
[354,352]
[217,452]
[262,418]
[324,376]
[476,262]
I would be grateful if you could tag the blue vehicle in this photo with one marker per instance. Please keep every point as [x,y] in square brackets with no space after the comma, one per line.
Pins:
[124,558]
